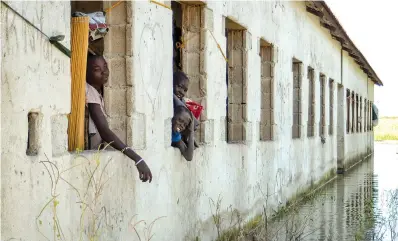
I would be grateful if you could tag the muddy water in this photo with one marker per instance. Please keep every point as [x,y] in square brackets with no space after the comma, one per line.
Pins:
[358,205]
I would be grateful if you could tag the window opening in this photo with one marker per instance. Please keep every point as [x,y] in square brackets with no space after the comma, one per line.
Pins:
[352,112]
[360,118]
[366,115]
[348,98]
[96,47]
[297,80]
[311,102]
[357,113]
[188,53]
[33,134]
[331,105]
[322,122]
[108,39]
[177,34]
[371,116]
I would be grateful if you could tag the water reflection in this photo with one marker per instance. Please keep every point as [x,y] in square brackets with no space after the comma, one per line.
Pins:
[359,205]
[386,164]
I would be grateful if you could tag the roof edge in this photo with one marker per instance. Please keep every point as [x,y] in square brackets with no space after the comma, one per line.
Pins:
[329,21]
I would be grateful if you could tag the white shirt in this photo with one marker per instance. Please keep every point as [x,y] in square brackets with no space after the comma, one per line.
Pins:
[93,97]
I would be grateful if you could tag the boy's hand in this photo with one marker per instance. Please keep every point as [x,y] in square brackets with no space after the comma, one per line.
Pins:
[144,171]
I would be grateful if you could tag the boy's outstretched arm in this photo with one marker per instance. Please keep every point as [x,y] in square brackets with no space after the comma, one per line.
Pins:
[187,150]
[108,136]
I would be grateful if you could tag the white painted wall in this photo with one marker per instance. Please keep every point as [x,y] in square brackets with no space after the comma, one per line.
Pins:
[356,81]
[35,76]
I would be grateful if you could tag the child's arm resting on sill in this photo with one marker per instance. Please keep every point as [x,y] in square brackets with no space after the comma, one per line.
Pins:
[187,150]
[108,136]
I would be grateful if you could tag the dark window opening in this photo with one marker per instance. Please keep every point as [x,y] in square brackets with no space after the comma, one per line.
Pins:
[357,113]
[370,115]
[97,46]
[353,112]
[33,134]
[322,122]
[373,116]
[348,104]
[177,35]
[311,102]
[366,115]
[331,105]
[360,118]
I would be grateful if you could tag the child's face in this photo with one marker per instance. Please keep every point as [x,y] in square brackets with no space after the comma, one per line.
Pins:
[98,72]
[181,88]
[180,121]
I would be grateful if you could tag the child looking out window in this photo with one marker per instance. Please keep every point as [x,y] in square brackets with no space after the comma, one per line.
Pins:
[180,88]
[99,132]
[183,121]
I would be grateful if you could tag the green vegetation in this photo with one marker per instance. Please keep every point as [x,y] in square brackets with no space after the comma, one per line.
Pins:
[242,231]
[93,217]
[387,129]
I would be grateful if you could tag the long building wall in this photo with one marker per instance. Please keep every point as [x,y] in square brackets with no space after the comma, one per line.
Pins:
[366,91]
[243,175]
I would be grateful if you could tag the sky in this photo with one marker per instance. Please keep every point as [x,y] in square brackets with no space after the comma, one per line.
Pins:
[370,25]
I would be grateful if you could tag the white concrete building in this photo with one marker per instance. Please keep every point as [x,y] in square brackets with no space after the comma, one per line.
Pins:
[282,135]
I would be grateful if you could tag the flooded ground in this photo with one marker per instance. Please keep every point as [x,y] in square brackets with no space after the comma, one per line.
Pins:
[362,204]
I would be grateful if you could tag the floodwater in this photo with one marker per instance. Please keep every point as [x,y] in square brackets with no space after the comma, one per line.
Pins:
[362,204]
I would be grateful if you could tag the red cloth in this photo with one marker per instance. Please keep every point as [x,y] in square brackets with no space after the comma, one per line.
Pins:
[194,107]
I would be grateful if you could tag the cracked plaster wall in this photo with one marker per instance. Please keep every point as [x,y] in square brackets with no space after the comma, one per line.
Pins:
[36,77]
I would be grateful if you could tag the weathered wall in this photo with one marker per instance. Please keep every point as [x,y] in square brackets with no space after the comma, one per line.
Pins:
[356,80]
[35,76]
[245,175]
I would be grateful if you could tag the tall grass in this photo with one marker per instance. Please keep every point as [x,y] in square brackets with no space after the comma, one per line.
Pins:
[387,129]
[94,216]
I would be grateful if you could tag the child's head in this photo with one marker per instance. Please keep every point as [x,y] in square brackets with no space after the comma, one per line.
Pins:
[181,119]
[180,84]
[97,70]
